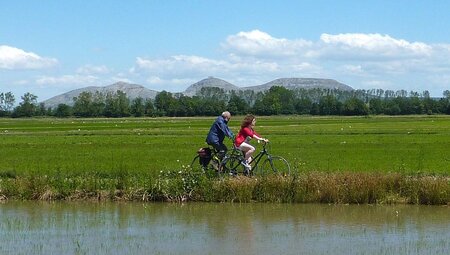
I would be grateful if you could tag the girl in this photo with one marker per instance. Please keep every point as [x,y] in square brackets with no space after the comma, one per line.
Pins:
[244,136]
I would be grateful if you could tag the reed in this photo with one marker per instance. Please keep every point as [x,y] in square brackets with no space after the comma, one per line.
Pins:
[185,185]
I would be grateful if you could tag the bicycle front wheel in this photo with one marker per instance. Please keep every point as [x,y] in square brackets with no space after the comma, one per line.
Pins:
[275,165]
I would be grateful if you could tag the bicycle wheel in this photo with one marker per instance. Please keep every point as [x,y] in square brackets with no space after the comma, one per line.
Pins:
[232,166]
[196,165]
[195,162]
[275,165]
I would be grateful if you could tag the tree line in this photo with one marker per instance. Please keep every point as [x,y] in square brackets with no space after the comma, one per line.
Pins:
[210,101]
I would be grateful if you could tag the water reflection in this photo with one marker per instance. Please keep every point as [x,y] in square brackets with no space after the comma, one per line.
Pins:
[200,228]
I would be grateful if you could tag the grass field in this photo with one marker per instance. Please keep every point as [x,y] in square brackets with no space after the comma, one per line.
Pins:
[335,160]
[408,144]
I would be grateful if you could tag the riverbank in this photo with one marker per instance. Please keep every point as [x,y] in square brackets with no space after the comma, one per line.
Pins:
[186,185]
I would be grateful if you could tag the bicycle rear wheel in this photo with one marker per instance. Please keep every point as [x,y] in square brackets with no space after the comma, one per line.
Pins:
[195,162]
[211,169]
[275,165]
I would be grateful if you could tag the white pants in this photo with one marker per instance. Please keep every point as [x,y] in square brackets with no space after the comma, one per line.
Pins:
[248,149]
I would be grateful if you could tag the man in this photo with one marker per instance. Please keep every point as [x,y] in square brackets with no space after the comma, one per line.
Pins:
[217,133]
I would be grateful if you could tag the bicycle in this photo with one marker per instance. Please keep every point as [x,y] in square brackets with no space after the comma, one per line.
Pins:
[208,160]
[271,165]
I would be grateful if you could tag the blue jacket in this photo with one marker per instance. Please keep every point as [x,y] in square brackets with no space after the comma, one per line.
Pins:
[218,131]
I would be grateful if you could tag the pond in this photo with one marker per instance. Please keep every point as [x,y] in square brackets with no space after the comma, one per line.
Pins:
[216,228]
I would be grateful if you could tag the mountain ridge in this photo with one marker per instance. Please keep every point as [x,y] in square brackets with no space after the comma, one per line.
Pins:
[135,90]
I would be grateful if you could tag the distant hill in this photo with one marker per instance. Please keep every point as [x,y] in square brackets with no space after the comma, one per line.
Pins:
[209,82]
[307,83]
[289,83]
[132,90]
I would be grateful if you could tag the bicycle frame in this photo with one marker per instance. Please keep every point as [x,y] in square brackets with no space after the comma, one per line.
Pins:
[255,160]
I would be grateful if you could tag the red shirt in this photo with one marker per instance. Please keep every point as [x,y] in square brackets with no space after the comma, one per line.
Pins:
[243,134]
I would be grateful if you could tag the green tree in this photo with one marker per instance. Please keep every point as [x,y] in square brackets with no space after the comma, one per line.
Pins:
[83,105]
[355,106]
[63,111]
[329,105]
[303,105]
[165,103]
[98,104]
[117,104]
[185,106]
[28,106]
[376,106]
[124,104]
[392,107]
[237,105]
[41,110]
[7,101]
[149,108]
[277,100]
[137,107]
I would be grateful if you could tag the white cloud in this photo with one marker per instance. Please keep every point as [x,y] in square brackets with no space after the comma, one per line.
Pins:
[368,47]
[155,80]
[21,82]
[169,84]
[352,69]
[12,58]
[118,78]
[68,80]
[260,44]
[378,84]
[92,69]
[180,65]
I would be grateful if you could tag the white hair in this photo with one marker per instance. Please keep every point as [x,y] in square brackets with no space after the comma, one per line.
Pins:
[226,114]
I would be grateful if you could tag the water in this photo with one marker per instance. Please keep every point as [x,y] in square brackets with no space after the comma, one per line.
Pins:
[200,228]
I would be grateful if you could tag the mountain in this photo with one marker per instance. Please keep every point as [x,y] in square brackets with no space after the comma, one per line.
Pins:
[307,83]
[132,90]
[209,82]
[289,83]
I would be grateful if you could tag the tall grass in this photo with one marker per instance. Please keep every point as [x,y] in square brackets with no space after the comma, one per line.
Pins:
[186,185]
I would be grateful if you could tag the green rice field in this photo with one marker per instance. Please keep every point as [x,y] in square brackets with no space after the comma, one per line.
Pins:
[411,144]
[333,160]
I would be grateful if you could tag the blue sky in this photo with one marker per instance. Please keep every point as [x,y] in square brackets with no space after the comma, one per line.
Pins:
[51,47]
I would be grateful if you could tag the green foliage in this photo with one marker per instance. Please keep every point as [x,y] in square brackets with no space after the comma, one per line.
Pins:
[277,100]
[7,101]
[137,107]
[27,108]
[355,106]
[63,111]
[329,105]
[117,105]
[237,105]
[83,105]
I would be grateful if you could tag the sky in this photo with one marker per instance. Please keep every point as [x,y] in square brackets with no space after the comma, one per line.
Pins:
[51,47]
